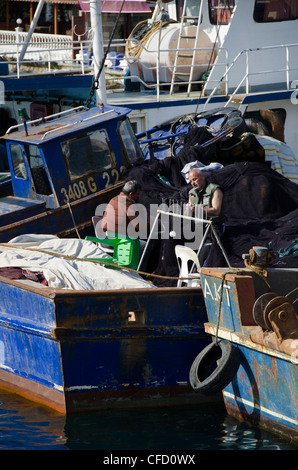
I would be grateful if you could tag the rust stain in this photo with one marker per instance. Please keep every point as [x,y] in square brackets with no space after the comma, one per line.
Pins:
[273,371]
[257,369]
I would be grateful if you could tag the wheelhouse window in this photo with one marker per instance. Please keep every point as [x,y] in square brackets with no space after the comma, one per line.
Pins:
[267,11]
[220,11]
[192,10]
[18,161]
[38,171]
[130,143]
[88,153]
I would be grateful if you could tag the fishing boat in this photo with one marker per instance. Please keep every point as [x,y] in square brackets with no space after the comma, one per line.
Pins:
[77,333]
[185,60]
[92,337]
[252,319]
[62,167]
[93,340]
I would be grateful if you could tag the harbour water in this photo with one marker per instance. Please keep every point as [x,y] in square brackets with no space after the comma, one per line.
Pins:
[25,425]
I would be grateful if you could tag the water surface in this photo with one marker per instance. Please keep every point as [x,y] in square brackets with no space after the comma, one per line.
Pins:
[25,425]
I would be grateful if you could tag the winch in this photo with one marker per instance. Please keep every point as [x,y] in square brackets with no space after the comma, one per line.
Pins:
[276,313]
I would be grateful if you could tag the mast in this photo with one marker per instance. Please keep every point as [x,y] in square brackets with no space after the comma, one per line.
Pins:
[31,30]
[98,54]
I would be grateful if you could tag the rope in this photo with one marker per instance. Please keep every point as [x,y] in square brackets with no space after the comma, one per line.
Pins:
[134,51]
[73,220]
[212,56]
[230,271]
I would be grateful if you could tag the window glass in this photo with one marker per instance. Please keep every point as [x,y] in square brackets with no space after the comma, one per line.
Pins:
[266,11]
[34,156]
[220,11]
[192,10]
[39,174]
[88,153]
[131,145]
[18,161]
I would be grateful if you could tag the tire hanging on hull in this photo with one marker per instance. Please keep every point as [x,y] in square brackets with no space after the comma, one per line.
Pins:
[228,357]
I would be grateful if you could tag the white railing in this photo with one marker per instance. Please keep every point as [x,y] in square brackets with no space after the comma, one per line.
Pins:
[11,37]
[246,80]
[53,51]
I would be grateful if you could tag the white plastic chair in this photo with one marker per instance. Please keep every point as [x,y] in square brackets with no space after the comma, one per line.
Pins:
[184,254]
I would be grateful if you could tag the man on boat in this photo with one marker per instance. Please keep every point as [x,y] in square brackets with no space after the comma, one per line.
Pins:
[124,216]
[210,196]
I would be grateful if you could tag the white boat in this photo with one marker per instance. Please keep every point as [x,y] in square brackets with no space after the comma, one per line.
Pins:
[241,54]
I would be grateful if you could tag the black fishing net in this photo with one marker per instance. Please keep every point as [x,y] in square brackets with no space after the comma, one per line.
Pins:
[260,205]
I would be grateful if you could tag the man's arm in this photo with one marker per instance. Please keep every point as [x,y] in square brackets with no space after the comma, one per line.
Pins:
[216,203]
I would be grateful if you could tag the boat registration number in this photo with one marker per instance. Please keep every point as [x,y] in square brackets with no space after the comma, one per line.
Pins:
[81,189]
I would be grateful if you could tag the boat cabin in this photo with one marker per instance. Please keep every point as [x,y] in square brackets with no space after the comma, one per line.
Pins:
[66,158]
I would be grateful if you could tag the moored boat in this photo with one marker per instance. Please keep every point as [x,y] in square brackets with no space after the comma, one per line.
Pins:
[62,167]
[252,319]
[76,335]
[255,72]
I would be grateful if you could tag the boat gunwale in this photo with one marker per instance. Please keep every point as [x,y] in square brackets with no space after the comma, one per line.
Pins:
[56,293]
[246,342]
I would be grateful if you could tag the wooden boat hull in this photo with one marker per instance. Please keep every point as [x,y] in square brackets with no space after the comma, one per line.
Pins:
[78,351]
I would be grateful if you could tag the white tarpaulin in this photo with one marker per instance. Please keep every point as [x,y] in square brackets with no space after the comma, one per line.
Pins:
[64,273]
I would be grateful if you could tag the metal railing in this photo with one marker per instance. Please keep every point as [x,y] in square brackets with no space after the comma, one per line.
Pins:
[42,48]
[246,80]
[52,52]
[60,54]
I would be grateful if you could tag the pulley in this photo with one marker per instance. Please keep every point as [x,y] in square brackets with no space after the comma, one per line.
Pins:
[276,313]
[259,308]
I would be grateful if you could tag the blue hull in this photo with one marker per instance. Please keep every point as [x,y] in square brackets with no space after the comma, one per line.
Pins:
[62,221]
[264,390]
[76,351]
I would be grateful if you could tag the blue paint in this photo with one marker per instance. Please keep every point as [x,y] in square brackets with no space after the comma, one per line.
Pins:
[76,159]
[84,348]
[264,390]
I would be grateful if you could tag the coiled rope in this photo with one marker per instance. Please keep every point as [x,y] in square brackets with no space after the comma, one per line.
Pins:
[133,51]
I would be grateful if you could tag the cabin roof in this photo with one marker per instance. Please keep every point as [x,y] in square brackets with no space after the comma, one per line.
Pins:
[48,128]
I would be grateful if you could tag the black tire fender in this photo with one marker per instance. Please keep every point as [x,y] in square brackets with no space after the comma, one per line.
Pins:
[228,357]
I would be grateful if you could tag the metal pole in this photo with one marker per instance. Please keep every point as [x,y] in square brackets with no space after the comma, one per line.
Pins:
[98,54]
[31,30]
[149,238]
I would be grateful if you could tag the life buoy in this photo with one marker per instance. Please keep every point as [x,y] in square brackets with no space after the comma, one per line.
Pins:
[228,357]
